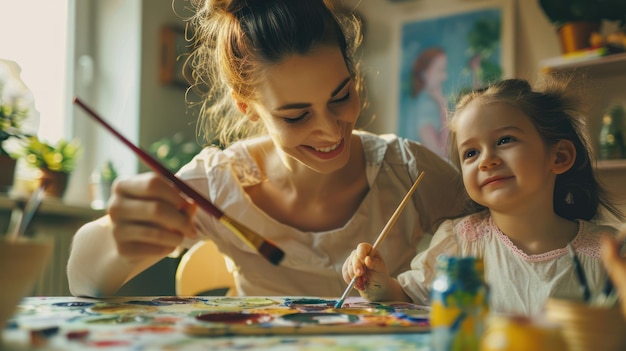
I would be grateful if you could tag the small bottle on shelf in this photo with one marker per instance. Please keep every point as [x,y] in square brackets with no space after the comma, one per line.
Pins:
[612,134]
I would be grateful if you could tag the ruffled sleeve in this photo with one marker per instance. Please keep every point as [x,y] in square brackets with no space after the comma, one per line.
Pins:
[416,282]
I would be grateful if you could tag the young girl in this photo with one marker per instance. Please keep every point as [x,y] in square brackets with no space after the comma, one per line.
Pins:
[526,165]
[309,182]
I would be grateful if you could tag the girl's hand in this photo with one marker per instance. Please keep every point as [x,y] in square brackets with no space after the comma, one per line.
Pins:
[149,217]
[371,272]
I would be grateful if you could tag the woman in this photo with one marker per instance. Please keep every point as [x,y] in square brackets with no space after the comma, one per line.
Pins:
[284,87]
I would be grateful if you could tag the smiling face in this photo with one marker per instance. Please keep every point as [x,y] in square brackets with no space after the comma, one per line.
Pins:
[505,163]
[310,106]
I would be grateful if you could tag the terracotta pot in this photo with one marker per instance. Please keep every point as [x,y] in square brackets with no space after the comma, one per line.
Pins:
[7,173]
[56,182]
[574,36]
[587,326]
[27,259]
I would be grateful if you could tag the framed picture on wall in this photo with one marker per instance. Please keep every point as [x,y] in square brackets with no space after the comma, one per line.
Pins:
[444,52]
[174,51]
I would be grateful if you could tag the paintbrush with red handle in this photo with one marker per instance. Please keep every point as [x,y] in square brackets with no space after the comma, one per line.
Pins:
[266,248]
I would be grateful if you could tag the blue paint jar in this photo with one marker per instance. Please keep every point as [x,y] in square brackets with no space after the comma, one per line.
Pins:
[459,304]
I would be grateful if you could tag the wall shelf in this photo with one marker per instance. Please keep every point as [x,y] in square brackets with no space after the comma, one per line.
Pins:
[55,207]
[611,165]
[599,66]
[603,76]
[593,64]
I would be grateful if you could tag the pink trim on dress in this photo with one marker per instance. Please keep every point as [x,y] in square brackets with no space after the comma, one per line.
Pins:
[480,226]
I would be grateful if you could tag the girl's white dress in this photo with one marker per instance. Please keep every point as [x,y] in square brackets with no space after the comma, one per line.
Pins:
[519,283]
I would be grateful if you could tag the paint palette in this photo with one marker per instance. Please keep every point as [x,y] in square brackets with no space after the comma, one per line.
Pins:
[124,321]
[210,322]
[309,316]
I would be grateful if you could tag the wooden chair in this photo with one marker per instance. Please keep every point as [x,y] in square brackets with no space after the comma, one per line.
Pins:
[203,271]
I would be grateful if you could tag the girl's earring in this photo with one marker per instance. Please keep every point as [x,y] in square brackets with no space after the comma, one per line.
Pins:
[569,198]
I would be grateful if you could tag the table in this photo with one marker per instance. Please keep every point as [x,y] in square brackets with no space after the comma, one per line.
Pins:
[214,323]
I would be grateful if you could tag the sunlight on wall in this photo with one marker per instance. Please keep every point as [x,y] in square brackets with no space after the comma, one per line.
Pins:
[34,35]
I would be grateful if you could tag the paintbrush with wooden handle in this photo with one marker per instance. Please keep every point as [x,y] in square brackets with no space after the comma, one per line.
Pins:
[266,248]
[383,234]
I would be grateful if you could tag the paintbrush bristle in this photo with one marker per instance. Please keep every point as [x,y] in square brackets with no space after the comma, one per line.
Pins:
[271,252]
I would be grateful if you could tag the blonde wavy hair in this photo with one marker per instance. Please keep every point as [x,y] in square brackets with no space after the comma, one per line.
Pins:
[235,40]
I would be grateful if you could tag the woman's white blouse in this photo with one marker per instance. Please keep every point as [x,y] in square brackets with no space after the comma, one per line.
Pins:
[313,260]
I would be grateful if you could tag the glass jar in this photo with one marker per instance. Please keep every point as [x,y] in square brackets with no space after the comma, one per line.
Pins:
[459,304]
[612,135]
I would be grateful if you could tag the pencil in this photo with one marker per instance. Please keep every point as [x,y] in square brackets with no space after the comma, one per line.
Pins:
[266,248]
[580,274]
[383,234]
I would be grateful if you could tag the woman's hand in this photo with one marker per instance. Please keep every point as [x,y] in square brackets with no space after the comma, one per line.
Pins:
[149,217]
[371,271]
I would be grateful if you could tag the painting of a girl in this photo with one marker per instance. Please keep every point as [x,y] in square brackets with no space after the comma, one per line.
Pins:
[428,74]
[441,57]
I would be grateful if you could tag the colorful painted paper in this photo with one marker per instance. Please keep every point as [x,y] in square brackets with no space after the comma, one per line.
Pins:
[230,323]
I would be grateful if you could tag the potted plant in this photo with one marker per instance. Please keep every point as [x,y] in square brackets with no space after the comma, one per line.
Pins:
[576,20]
[54,161]
[10,119]
[16,105]
[174,152]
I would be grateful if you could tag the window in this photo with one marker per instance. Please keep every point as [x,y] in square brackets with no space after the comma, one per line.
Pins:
[106,53]
[88,48]
[42,55]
